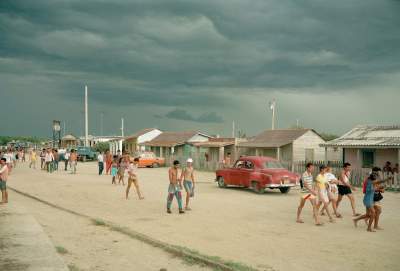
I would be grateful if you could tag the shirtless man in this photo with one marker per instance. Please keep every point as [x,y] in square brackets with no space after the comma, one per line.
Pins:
[73,159]
[345,188]
[133,178]
[332,191]
[174,188]
[187,177]
[308,193]
[3,180]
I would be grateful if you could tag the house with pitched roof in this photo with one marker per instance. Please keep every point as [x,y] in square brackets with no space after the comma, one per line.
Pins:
[135,142]
[366,146]
[176,145]
[289,145]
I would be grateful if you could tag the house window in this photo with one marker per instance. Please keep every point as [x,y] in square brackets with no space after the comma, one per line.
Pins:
[309,155]
[368,158]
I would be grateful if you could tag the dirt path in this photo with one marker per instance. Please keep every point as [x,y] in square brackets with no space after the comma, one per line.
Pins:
[237,225]
[86,246]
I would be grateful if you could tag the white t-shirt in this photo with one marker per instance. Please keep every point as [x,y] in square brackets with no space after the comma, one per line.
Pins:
[49,157]
[66,156]
[8,157]
[100,158]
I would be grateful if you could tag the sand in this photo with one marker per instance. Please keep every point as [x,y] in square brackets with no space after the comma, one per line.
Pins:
[233,223]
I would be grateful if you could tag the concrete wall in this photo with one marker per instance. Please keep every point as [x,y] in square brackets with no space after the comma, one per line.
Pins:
[309,140]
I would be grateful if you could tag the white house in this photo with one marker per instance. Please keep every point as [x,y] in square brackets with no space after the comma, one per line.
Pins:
[289,145]
[136,141]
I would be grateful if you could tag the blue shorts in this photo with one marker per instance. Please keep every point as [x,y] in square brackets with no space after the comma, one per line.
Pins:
[3,185]
[114,171]
[188,186]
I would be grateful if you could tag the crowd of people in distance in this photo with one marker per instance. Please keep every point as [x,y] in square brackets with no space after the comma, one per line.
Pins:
[326,189]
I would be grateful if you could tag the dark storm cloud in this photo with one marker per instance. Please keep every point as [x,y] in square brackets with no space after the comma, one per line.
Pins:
[196,53]
[180,114]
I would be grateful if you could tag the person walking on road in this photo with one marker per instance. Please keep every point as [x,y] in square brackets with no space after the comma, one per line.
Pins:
[174,188]
[100,159]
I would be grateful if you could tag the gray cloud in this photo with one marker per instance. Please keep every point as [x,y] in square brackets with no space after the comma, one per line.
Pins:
[181,114]
[203,55]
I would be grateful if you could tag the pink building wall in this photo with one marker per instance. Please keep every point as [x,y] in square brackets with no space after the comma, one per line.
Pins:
[381,156]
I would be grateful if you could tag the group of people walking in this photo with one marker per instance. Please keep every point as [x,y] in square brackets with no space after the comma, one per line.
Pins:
[326,189]
[121,165]
[50,159]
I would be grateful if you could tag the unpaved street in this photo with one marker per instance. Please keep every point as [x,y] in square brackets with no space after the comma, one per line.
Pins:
[234,224]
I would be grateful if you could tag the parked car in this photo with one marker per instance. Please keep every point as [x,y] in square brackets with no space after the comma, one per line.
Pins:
[149,159]
[86,153]
[258,173]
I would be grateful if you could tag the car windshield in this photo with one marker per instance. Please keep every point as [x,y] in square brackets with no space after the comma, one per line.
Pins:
[273,164]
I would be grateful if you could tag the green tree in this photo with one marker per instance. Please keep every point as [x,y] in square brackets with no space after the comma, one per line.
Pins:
[102,147]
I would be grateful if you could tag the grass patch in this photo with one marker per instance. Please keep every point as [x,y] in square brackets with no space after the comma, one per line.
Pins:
[61,250]
[73,267]
[189,260]
[98,222]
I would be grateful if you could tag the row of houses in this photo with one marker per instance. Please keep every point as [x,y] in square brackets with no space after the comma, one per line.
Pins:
[363,146]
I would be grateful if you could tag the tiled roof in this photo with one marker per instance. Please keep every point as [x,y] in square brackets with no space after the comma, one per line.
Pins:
[368,136]
[274,138]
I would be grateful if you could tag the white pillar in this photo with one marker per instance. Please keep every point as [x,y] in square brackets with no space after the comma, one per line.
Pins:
[278,153]
[86,118]
[326,155]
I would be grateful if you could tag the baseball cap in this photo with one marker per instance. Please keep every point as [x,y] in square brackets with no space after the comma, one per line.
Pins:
[190,160]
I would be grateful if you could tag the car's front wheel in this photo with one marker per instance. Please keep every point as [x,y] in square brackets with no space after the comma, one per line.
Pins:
[221,182]
[284,190]
[155,165]
[257,187]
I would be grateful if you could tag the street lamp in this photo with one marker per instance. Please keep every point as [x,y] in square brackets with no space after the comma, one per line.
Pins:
[56,133]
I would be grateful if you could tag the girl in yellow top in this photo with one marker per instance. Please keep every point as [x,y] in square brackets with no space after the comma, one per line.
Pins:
[322,183]
[33,158]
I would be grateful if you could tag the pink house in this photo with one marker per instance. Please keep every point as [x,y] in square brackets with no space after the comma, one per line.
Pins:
[366,146]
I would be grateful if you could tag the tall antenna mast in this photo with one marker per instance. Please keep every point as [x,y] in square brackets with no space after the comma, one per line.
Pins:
[272,106]
[86,118]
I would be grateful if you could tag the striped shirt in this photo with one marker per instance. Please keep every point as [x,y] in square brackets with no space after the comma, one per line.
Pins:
[307,181]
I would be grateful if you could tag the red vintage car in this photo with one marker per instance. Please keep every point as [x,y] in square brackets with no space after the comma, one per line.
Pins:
[258,173]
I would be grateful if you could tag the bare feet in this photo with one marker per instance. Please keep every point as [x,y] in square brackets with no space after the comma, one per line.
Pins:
[322,214]
[371,230]
[378,228]
[141,198]
[331,220]
[319,224]
[356,214]
[299,221]
[338,215]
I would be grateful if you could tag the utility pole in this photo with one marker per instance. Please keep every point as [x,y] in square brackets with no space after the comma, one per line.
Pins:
[86,118]
[233,129]
[122,127]
[101,123]
[272,106]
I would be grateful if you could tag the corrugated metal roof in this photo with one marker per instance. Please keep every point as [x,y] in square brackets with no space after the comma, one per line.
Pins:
[368,136]
[140,133]
[274,138]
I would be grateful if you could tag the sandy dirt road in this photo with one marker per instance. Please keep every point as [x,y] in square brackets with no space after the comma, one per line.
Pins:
[232,223]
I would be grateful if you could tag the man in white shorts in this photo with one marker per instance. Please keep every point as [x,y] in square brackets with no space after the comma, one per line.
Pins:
[308,193]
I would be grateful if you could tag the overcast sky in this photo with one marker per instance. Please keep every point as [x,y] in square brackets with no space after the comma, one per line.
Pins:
[184,65]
